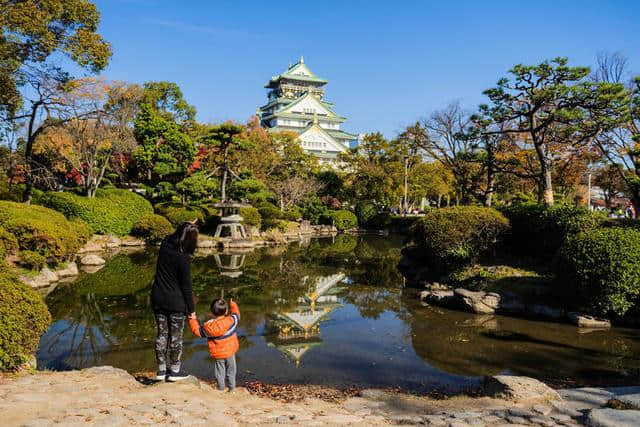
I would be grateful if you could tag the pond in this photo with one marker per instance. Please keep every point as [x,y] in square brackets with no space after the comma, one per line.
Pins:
[333,312]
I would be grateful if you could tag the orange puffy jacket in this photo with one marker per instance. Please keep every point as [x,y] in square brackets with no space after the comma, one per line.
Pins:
[220,332]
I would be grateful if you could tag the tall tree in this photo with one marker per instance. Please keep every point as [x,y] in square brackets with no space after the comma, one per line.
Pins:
[222,141]
[450,143]
[552,103]
[620,147]
[163,151]
[33,30]
[97,127]
[167,98]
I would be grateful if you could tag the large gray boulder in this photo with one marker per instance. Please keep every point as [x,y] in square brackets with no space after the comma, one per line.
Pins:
[545,311]
[477,302]
[518,388]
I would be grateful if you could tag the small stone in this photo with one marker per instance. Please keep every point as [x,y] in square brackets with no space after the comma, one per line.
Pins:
[586,321]
[491,419]
[561,418]
[92,260]
[608,417]
[131,241]
[112,242]
[542,409]
[91,268]
[517,420]
[49,275]
[71,269]
[434,420]
[543,421]
[518,388]
[519,412]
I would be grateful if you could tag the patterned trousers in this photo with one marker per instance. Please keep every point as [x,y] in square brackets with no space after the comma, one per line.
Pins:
[169,340]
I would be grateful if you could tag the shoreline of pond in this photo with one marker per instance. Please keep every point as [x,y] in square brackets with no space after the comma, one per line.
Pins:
[107,395]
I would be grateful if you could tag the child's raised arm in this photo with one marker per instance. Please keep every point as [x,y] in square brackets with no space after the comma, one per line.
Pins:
[234,308]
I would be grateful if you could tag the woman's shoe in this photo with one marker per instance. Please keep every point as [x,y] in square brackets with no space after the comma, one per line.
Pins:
[161,375]
[177,376]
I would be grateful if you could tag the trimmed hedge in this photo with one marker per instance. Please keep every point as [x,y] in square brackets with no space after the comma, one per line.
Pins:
[112,211]
[456,236]
[43,230]
[342,219]
[24,317]
[603,266]
[152,228]
[177,213]
[8,244]
[540,231]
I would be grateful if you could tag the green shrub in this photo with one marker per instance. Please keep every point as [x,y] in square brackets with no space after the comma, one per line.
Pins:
[313,210]
[540,231]
[251,216]
[458,235]
[292,214]
[43,230]
[24,317]
[177,213]
[269,214]
[8,244]
[31,260]
[152,228]
[343,219]
[603,266]
[366,210]
[111,211]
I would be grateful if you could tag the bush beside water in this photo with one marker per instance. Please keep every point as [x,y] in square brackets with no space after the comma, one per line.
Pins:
[540,231]
[177,213]
[458,235]
[152,228]
[342,219]
[24,317]
[43,230]
[112,211]
[603,266]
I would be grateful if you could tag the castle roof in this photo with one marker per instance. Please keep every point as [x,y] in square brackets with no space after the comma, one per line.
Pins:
[298,71]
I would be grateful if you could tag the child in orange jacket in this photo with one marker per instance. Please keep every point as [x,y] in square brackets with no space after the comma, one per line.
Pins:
[223,342]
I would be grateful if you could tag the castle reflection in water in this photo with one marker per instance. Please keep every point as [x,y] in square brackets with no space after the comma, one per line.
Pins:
[296,331]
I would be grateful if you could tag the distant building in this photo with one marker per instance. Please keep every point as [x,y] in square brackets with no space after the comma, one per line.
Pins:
[295,103]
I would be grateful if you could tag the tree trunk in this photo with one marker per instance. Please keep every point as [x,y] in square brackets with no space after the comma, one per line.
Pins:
[491,182]
[224,184]
[545,173]
[439,200]
[28,155]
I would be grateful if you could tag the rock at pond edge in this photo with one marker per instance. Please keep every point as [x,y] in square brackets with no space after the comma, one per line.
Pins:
[518,388]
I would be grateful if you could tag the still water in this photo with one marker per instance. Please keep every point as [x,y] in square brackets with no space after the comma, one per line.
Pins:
[334,312]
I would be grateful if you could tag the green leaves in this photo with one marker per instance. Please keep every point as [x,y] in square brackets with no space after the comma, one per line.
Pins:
[162,148]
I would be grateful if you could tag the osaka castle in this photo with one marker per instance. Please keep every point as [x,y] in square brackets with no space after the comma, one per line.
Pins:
[295,102]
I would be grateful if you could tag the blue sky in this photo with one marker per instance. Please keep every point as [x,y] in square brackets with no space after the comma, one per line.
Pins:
[388,63]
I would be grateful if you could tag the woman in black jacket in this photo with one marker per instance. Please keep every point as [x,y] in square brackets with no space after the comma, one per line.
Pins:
[172,298]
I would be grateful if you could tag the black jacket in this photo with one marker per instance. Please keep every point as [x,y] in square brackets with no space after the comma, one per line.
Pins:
[171,291]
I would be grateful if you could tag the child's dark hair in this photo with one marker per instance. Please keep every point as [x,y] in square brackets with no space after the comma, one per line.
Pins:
[219,307]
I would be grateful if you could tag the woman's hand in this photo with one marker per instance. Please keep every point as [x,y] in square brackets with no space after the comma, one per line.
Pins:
[192,315]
